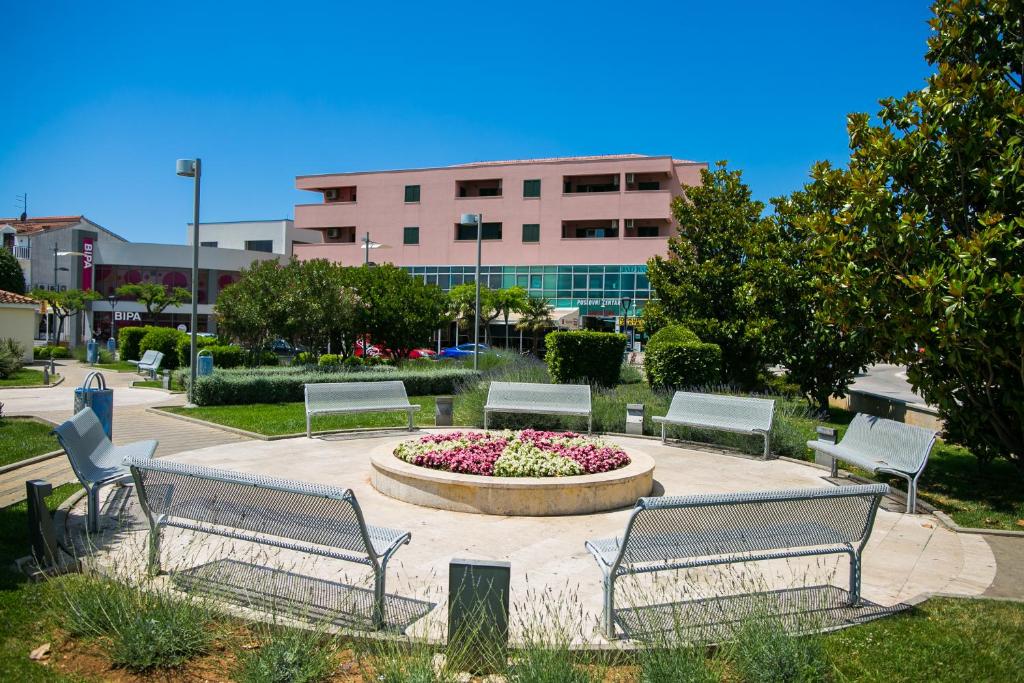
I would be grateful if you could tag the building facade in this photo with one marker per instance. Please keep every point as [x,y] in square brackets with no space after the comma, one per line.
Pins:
[577,231]
[270,236]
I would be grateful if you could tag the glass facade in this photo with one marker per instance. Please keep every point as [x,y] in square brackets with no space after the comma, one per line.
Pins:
[595,290]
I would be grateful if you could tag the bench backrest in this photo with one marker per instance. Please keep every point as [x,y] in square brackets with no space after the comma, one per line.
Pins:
[356,394]
[83,439]
[526,394]
[742,411]
[903,446]
[683,527]
[300,511]
[149,357]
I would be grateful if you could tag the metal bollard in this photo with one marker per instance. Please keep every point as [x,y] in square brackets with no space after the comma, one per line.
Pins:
[634,418]
[444,411]
[478,615]
[40,523]
[828,435]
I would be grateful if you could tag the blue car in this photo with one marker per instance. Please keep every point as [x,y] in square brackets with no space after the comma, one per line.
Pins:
[462,351]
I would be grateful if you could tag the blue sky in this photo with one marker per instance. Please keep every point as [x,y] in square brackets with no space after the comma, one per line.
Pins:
[101,98]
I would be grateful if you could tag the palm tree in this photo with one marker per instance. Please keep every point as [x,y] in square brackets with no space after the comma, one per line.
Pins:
[508,301]
[536,318]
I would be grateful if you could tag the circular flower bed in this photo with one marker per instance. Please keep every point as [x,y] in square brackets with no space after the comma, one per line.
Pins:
[528,453]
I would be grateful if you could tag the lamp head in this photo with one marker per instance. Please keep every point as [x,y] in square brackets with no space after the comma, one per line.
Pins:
[469,219]
[186,167]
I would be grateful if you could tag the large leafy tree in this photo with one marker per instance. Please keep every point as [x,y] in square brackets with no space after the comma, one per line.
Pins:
[508,301]
[463,302]
[707,282]
[930,250]
[536,319]
[12,279]
[322,307]
[256,309]
[822,352]
[398,310]
[155,297]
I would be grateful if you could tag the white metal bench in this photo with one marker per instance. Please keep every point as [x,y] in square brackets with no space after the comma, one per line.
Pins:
[541,399]
[94,459]
[740,414]
[880,445]
[294,515]
[357,397]
[704,530]
[150,362]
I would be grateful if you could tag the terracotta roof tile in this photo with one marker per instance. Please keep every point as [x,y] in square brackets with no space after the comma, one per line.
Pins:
[41,223]
[12,298]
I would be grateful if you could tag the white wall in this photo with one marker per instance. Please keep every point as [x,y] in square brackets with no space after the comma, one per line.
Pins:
[234,235]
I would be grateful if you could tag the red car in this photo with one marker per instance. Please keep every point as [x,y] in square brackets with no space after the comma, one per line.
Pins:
[423,353]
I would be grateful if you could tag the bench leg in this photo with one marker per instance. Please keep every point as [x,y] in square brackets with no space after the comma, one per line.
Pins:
[378,597]
[608,616]
[663,439]
[590,424]
[92,513]
[154,550]
[485,420]
[854,579]
[412,424]
[912,495]
[835,467]
[309,432]
[767,446]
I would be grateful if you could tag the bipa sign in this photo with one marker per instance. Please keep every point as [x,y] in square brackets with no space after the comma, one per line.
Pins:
[132,316]
[87,246]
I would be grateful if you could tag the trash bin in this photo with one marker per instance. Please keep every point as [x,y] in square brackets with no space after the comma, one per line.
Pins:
[92,351]
[99,398]
[204,363]
[634,418]
[111,346]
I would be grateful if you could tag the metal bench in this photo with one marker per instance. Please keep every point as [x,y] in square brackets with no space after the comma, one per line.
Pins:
[294,515]
[150,362]
[740,414]
[357,397]
[880,445]
[540,399]
[704,530]
[94,459]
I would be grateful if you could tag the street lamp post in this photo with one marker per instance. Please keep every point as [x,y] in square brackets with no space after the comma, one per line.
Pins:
[193,168]
[476,219]
[626,302]
[112,300]
[56,285]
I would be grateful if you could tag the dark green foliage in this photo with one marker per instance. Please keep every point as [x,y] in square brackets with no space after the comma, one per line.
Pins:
[585,357]
[56,352]
[683,364]
[164,340]
[128,340]
[12,278]
[288,656]
[263,386]
[330,359]
[184,348]
[9,363]
[673,334]
[669,663]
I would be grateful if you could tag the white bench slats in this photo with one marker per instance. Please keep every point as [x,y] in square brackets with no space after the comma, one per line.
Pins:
[877,444]
[704,530]
[539,399]
[739,414]
[357,397]
[150,362]
[293,515]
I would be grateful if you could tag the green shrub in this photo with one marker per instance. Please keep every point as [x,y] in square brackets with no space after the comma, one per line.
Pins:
[259,359]
[673,334]
[184,347]
[303,358]
[55,352]
[285,384]
[164,340]
[585,357]
[683,364]
[329,359]
[128,340]
[9,363]
[669,663]
[763,652]
[288,656]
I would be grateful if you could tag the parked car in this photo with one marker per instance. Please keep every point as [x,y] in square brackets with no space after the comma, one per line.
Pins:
[462,350]
[423,353]
[281,347]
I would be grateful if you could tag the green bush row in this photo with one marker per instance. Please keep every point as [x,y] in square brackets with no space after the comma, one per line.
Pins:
[128,339]
[56,352]
[184,348]
[683,364]
[164,340]
[232,388]
[585,356]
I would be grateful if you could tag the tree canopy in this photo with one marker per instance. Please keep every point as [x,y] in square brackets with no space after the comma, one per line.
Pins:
[12,279]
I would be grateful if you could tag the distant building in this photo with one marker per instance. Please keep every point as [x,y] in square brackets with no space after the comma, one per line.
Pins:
[18,316]
[271,236]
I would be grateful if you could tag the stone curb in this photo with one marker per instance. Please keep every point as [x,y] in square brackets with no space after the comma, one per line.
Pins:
[30,461]
[38,386]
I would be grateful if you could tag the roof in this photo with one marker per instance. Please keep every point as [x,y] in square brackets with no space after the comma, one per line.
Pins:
[41,223]
[12,298]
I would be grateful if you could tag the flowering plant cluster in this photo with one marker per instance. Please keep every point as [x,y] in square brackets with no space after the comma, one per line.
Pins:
[528,453]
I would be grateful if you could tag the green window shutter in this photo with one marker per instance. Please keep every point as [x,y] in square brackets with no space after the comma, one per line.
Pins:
[411,236]
[531,232]
[531,188]
[492,231]
[412,193]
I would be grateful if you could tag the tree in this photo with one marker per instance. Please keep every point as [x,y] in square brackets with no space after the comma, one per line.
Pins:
[929,253]
[463,301]
[708,283]
[823,353]
[536,319]
[322,308]
[12,279]
[508,301]
[255,310]
[399,311]
[156,298]
[65,305]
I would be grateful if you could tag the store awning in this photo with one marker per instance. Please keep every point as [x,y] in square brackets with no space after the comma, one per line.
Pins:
[562,318]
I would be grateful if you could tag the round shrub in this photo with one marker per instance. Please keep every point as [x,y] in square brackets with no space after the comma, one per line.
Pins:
[128,339]
[164,340]
[585,356]
[329,359]
[55,352]
[683,364]
[184,347]
[680,334]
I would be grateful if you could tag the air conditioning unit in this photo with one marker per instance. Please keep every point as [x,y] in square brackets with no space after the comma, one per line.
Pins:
[334,233]
[330,195]
[630,224]
[630,178]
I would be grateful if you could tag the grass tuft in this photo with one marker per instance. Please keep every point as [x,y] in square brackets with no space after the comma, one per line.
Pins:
[288,656]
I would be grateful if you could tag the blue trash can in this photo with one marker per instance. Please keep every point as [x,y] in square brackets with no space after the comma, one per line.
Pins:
[204,363]
[99,398]
[92,351]
[111,346]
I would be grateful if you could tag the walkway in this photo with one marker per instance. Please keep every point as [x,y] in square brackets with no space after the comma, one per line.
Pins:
[132,422]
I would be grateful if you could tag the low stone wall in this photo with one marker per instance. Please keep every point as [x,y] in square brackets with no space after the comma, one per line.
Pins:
[518,496]
[917,414]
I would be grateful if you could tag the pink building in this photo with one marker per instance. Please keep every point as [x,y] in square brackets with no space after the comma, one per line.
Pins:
[577,230]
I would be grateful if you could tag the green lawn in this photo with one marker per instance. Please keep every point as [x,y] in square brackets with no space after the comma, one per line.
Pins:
[273,419]
[23,439]
[117,366]
[23,377]
[149,384]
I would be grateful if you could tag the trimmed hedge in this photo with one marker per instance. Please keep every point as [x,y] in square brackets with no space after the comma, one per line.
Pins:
[164,340]
[672,334]
[184,348]
[128,340]
[44,352]
[329,359]
[585,356]
[234,387]
[675,364]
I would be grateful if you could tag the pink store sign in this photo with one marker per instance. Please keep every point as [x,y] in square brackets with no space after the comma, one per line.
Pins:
[87,262]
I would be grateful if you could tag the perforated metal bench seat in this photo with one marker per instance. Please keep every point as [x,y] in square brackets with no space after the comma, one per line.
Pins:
[334,398]
[539,399]
[698,531]
[282,513]
[739,414]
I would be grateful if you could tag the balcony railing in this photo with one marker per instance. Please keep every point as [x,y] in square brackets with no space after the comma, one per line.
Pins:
[19,251]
